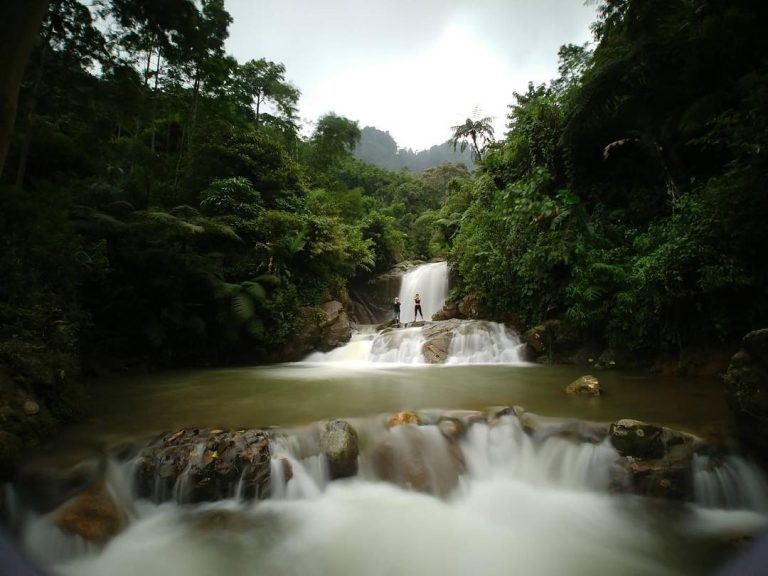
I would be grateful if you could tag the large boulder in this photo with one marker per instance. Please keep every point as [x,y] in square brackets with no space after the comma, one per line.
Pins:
[336,328]
[746,391]
[338,442]
[642,440]
[409,457]
[637,439]
[205,465]
[307,333]
[437,340]
[317,327]
[94,515]
[469,307]
[669,477]
[449,311]
[587,385]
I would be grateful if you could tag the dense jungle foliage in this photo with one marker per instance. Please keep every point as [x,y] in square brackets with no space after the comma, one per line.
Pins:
[628,199]
[159,203]
[160,206]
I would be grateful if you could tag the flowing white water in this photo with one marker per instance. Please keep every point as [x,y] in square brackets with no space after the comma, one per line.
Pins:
[472,341]
[402,346]
[430,281]
[498,501]
[521,506]
[484,342]
[732,482]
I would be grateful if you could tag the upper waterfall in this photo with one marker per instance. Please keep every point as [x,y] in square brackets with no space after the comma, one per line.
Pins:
[430,281]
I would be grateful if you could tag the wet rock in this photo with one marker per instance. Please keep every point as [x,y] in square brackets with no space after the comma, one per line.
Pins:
[580,431]
[336,328]
[409,459]
[437,340]
[449,311]
[669,477]
[756,345]
[496,412]
[31,408]
[469,307]
[205,465]
[467,417]
[536,338]
[307,333]
[649,441]
[746,391]
[607,360]
[339,443]
[402,418]
[637,439]
[371,302]
[287,469]
[93,515]
[452,428]
[587,385]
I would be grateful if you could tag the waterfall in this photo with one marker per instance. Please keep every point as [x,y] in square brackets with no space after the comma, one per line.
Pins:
[499,497]
[471,341]
[402,346]
[430,281]
[482,342]
[730,482]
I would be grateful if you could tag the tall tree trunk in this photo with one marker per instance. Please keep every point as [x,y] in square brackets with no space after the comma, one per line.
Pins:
[19,25]
[195,98]
[258,105]
[154,104]
[147,67]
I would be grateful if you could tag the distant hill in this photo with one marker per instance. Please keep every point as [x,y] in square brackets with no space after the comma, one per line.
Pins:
[379,148]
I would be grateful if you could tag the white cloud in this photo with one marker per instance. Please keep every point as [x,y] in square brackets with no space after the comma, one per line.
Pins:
[412,69]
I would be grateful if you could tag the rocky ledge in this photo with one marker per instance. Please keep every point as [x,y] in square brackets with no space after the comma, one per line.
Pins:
[421,451]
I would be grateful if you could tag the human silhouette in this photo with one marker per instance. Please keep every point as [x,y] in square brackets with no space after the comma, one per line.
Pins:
[417,307]
[396,308]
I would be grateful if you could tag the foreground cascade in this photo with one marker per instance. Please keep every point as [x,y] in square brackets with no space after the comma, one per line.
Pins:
[493,477]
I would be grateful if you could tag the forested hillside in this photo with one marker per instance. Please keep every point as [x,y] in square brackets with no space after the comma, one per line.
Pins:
[380,149]
[159,207]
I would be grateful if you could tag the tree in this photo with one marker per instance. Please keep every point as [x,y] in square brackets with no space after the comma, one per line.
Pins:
[335,137]
[479,132]
[260,82]
[19,24]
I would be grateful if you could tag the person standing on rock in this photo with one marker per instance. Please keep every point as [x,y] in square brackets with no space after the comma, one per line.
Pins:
[417,307]
[396,308]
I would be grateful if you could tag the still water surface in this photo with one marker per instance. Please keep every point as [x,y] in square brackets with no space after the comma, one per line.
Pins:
[296,394]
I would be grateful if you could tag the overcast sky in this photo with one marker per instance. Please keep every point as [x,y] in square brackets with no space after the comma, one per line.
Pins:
[411,67]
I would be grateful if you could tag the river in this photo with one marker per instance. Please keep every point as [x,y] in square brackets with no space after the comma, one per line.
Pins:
[516,502]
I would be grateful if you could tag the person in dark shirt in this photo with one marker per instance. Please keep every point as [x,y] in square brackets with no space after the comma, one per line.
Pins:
[396,308]
[417,308]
